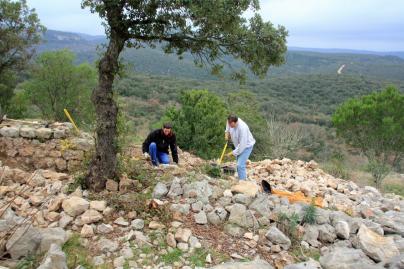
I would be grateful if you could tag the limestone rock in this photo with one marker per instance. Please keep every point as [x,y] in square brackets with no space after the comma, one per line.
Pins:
[75,206]
[326,233]
[175,188]
[200,218]
[55,258]
[106,245]
[310,264]
[346,258]
[183,234]
[10,131]
[104,228]
[91,216]
[248,188]
[277,237]
[160,190]
[43,133]
[217,216]
[257,264]
[27,132]
[98,205]
[137,224]
[199,190]
[233,230]
[51,236]
[170,239]
[342,229]
[241,216]
[87,231]
[377,247]
[24,241]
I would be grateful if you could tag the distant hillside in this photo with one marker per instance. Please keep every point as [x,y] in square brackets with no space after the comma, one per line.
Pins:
[399,54]
[303,98]
[151,61]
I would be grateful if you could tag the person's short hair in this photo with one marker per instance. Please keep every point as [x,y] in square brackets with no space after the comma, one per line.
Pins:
[232,118]
[167,125]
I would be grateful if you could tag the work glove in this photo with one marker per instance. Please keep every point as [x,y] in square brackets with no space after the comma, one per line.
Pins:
[227,136]
[230,154]
[146,155]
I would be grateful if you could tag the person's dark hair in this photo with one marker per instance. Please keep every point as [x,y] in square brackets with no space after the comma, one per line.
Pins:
[232,118]
[167,125]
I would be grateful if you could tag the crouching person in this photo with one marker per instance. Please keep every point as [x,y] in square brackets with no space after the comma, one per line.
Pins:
[157,143]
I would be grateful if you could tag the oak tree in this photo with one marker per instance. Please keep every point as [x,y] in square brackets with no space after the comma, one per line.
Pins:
[210,30]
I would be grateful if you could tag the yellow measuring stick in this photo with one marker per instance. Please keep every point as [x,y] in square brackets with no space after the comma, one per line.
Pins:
[224,150]
[71,120]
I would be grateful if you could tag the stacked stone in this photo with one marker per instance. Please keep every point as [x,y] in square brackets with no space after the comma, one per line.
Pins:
[53,147]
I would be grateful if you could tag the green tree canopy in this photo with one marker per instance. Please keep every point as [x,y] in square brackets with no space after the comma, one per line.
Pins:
[57,83]
[19,31]
[199,123]
[375,124]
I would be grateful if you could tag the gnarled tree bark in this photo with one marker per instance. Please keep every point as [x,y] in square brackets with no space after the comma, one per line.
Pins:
[103,164]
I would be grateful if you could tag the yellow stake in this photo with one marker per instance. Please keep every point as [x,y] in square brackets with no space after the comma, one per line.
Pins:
[71,120]
[224,150]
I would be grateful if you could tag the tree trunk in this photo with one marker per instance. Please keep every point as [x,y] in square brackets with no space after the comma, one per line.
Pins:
[103,164]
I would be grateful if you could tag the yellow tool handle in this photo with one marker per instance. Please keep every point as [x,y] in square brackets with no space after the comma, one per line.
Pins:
[224,150]
[71,120]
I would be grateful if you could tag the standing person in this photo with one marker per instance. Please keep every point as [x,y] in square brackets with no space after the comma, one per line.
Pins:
[157,143]
[240,134]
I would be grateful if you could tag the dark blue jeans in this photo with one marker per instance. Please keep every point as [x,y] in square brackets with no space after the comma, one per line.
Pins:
[157,156]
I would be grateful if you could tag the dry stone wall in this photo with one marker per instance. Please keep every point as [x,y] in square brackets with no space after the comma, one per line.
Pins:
[33,145]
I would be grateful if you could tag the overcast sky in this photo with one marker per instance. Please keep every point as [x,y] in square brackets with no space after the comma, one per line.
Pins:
[350,24]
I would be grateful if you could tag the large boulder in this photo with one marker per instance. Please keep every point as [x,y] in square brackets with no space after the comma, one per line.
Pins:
[346,258]
[257,264]
[55,258]
[277,237]
[377,247]
[75,206]
[24,241]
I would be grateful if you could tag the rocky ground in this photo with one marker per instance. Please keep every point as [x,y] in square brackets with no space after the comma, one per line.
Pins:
[183,218]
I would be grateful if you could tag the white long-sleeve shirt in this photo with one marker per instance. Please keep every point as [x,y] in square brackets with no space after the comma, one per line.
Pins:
[240,136]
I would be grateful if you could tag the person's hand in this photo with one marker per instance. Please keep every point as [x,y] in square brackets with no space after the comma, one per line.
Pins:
[230,154]
[146,155]
[227,136]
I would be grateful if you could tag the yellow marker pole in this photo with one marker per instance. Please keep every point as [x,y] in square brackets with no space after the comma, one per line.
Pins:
[224,150]
[71,120]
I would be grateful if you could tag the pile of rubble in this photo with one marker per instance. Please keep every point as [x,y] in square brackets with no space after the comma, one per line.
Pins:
[358,228]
